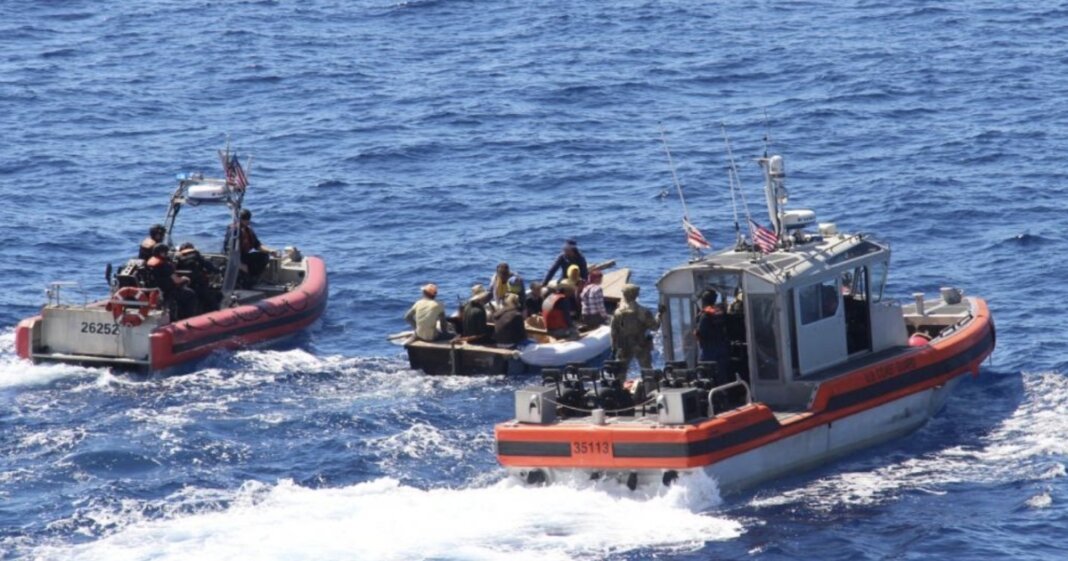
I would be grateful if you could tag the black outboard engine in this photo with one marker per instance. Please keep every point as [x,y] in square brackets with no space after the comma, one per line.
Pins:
[570,391]
[611,395]
[677,375]
[133,273]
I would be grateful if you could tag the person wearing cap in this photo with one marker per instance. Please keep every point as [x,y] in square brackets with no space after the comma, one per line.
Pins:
[594,313]
[508,327]
[198,269]
[473,317]
[570,255]
[533,300]
[174,287]
[155,236]
[711,332]
[427,316]
[254,255]
[630,330]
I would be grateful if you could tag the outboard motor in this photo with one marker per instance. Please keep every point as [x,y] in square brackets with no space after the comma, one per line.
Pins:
[572,394]
[612,396]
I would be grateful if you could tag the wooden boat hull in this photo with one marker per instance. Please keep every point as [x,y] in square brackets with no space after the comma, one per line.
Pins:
[158,345]
[464,359]
[750,444]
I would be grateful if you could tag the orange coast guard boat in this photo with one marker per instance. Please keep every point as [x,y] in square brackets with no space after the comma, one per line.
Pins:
[818,364]
[135,327]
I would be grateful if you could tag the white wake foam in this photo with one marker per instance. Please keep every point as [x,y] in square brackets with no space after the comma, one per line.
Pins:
[384,520]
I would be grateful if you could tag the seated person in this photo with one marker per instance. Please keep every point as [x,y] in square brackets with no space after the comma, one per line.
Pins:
[508,327]
[557,313]
[594,313]
[474,326]
[532,301]
[427,316]
[254,255]
[174,287]
[155,235]
[199,271]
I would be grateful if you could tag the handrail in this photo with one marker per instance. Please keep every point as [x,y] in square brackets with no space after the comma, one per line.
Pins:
[737,382]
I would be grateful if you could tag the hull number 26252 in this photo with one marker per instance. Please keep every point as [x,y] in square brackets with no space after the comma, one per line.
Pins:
[99,328]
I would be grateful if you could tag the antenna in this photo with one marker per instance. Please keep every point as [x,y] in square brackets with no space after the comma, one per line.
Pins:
[731,175]
[767,133]
[674,176]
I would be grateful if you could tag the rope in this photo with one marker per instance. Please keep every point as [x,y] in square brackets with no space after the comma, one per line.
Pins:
[581,410]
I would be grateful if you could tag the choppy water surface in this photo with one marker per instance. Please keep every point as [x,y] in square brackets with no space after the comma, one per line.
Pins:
[428,140]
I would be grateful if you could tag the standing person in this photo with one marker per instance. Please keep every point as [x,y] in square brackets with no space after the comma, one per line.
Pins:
[594,313]
[198,268]
[254,255]
[711,332]
[508,327]
[570,255]
[473,318]
[155,236]
[630,330]
[175,288]
[427,316]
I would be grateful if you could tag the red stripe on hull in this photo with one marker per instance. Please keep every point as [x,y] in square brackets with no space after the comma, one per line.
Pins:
[233,328]
[975,338]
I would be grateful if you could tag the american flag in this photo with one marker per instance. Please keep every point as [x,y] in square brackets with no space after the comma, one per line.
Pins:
[694,237]
[235,175]
[764,238]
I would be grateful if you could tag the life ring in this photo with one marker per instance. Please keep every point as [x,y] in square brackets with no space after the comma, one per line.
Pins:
[148,299]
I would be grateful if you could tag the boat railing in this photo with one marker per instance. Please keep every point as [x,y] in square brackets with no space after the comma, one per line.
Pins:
[723,389]
[54,292]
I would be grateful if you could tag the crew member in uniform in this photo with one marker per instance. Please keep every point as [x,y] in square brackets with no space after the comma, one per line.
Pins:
[155,236]
[174,287]
[199,268]
[254,255]
[711,332]
[630,330]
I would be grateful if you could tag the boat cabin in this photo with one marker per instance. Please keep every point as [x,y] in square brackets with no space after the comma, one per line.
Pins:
[810,308]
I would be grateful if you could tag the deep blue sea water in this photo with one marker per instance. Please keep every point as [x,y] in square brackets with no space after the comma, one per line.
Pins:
[428,140]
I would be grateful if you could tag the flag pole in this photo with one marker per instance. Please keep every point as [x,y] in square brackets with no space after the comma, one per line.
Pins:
[694,251]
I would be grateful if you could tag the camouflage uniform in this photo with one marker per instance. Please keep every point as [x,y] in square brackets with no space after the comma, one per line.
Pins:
[630,325]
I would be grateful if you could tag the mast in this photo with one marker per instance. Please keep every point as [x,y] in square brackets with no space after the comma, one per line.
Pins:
[774,190]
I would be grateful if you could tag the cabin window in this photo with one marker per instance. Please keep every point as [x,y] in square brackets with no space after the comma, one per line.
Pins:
[818,301]
[681,311]
[765,335]
[878,280]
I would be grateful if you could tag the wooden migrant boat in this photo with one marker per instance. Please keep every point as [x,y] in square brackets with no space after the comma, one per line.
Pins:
[133,329]
[460,357]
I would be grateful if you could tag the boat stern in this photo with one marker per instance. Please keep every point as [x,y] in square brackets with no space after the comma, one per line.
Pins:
[89,334]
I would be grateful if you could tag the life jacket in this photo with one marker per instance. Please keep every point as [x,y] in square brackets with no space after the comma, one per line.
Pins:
[554,317]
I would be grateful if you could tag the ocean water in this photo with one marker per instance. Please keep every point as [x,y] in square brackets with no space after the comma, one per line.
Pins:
[426,141]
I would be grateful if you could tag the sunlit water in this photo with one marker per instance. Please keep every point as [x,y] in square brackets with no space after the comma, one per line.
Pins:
[426,141]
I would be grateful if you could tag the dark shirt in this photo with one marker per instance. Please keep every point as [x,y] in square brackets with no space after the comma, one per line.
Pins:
[564,262]
[712,332]
[163,276]
[474,320]
[532,304]
[508,327]
[248,240]
[194,261]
